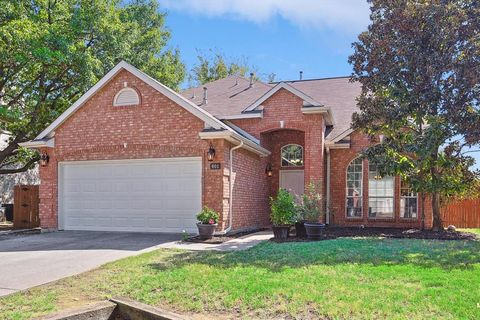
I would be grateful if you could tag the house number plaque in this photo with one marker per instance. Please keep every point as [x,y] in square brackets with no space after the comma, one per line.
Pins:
[215,166]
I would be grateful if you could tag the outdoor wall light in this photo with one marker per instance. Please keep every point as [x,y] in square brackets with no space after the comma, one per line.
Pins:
[211,153]
[44,158]
[269,170]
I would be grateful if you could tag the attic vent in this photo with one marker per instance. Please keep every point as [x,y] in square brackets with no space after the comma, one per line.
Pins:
[126,97]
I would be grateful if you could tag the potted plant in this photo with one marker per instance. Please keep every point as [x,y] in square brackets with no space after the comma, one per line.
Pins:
[282,213]
[312,212]
[208,221]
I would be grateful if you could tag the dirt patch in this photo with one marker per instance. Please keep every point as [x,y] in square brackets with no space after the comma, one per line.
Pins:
[224,238]
[334,232]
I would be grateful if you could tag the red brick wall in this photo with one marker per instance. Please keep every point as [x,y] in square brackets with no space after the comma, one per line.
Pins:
[157,128]
[340,159]
[250,190]
[274,141]
[305,128]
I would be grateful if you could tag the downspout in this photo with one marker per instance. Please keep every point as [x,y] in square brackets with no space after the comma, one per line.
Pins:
[327,216]
[230,193]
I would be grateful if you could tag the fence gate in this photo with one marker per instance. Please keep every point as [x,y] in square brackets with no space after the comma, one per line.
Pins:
[462,214]
[25,211]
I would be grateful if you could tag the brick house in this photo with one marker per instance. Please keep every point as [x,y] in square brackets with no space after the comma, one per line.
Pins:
[133,155]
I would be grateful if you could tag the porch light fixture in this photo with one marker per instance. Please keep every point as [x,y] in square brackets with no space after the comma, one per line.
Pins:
[44,158]
[268,170]
[211,153]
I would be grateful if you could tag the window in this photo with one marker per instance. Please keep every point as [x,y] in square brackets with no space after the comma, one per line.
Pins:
[380,194]
[126,97]
[354,188]
[292,155]
[408,202]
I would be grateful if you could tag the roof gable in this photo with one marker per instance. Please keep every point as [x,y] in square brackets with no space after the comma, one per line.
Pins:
[169,93]
[282,85]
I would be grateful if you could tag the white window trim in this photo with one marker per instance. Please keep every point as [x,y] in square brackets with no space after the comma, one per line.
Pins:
[281,158]
[129,89]
[395,200]
[400,204]
[346,191]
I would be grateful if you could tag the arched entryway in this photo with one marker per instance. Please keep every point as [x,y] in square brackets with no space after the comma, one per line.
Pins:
[287,159]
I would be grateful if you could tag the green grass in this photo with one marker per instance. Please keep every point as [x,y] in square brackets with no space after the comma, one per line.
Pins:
[339,279]
[476,231]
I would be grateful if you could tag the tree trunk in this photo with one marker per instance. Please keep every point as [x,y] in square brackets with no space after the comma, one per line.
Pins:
[437,219]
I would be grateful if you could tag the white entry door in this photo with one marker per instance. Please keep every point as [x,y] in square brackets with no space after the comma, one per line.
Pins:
[293,181]
[154,195]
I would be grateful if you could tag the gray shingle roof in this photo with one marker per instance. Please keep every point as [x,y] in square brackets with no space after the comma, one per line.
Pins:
[227,96]
[337,93]
[232,95]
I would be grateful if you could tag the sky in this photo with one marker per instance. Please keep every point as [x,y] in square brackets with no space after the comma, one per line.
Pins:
[282,37]
[276,36]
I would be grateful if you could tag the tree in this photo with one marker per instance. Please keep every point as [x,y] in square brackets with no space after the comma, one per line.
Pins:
[51,52]
[214,66]
[419,66]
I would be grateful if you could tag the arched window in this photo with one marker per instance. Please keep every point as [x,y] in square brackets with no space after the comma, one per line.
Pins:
[126,97]
[292,155]
[354,188]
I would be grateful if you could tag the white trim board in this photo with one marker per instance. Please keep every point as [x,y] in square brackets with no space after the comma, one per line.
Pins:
[286,86]
[169,93]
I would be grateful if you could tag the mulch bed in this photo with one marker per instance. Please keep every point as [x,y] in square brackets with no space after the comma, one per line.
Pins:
[223,238]
[334,232]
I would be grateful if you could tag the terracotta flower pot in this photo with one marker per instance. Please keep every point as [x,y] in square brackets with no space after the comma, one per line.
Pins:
[206,231]
[280,232]
[314,230]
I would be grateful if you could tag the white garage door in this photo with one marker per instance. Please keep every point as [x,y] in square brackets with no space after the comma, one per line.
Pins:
[155,195]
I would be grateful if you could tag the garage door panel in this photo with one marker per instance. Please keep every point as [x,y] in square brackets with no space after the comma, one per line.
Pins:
[160,195]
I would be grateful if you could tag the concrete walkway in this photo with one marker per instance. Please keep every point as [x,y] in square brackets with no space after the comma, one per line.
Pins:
[241,243]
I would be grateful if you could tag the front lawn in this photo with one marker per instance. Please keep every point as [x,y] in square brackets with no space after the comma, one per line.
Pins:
[342,278]
[476,231]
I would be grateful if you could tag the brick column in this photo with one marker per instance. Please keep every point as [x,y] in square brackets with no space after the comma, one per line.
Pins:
[314,153]
[48,192]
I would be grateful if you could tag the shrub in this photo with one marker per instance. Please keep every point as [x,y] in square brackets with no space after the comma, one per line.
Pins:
[208,216]
[282,208]
[310,208]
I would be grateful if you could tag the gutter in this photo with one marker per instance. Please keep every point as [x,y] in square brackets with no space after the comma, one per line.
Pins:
[235,138]
[33,144]
[327,216]
[230,193]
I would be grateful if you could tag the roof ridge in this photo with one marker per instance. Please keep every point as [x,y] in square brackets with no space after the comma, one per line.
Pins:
[314,79]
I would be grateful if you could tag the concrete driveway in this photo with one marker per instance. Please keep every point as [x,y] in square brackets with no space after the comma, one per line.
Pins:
[30,260]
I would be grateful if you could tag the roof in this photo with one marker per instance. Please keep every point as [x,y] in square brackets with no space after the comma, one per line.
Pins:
[45,137]
[232,95]
[227,96]
[338,94]
[185,103]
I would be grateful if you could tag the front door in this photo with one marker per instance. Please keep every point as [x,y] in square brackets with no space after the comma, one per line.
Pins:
[293,181]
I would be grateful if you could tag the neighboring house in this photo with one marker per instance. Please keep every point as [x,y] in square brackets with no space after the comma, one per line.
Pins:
[8,181]
[133,155]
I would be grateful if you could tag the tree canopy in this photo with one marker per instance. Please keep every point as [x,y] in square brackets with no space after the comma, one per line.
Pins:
[51,52]
[419,66]
[215,65]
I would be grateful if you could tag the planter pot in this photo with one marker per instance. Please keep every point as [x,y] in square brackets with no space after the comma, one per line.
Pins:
[314,230]
[280,232]
[300,229]
[206,231]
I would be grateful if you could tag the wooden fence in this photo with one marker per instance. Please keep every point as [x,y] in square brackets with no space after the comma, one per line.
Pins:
[462,214]
[25,212]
